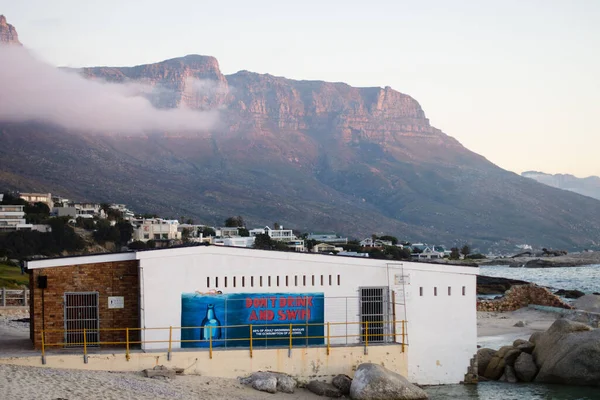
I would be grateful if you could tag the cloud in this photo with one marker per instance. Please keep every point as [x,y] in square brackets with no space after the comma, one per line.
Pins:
[31,90]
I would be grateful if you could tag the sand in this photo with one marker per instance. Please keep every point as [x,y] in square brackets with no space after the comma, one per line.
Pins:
[496,329]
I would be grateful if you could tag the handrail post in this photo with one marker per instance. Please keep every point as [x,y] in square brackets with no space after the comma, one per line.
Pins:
[170,343]
[43,349]
[328,345]
[366,337]
[210,341]
[290,348]
[127,357]
[25,297]
[85,357]
[3,297]
[403,336]
[250,340]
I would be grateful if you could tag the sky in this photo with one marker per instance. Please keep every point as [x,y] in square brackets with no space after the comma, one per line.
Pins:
[517,81]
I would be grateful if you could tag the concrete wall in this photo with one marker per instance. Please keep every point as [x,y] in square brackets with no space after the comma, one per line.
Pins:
[442,330]
[304,363]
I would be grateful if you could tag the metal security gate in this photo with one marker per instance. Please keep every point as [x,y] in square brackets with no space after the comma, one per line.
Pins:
[374,312]
[81,312]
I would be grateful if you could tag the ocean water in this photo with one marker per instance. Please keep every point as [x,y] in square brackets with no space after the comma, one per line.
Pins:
[586,278]
[508,391]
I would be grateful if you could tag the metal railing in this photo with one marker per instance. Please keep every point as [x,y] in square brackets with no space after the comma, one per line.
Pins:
[368,334]
[13,297]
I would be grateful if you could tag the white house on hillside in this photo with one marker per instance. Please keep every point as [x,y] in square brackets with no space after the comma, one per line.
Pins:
[156,229]
[282,235]
[12,218]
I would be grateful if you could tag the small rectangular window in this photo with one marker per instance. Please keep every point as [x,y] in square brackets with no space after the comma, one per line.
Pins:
[287,280]
[217,282]
[303,280]
[269,280]
[225,281]
[435,291]
[330,280]
[313,280]
[207,282]
[339,280]
[251,281]
[277,280]
[295,280]
[464,291]
[243,281]
[260,281]
[421,291]
[449,291]
[322,280]
[234,281]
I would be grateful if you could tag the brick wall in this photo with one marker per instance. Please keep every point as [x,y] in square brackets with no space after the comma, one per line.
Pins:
[108,279]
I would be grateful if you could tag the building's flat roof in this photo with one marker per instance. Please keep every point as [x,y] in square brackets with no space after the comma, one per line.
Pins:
[245,252]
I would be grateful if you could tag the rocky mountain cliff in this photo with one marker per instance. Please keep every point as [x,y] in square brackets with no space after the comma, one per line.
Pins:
[8,33]
[310,155]
[589,186]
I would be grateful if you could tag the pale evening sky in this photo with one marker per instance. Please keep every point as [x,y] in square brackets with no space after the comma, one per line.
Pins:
[517,81]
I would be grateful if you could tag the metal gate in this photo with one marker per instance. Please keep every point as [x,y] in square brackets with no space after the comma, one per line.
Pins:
[374,313]
[81,312]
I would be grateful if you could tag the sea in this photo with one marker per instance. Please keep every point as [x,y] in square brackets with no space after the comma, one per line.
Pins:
[586,279]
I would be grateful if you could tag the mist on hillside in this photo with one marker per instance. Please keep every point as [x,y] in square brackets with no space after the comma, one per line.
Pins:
[31,90]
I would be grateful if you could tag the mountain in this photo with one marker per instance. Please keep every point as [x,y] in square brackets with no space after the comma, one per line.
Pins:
[8,33]
[589,186]
[310,155]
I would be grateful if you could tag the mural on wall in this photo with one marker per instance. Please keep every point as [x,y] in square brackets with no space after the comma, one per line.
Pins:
[226,319]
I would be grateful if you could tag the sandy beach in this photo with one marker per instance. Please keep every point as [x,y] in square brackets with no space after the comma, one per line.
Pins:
[24,383]
[497,329]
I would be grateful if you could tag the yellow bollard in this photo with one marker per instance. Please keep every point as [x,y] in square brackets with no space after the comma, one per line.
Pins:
[328,345]
[43,349]
[127,357]
[85,359]
[403,336]
[250,340]
[290,349]
[210,341]
[170,343]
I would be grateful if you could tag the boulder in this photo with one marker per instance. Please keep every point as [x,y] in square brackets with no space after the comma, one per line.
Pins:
[568,353]
[484,356]
[519,324]
[525,368]
[343,383]
[569,294]
[283,382]
[509,374]
[526,347]
[160,371]
[590,302]
[323,389]
[518,342]
[265,384]
[535,337]
[374,382]
[511,356]
[495,367]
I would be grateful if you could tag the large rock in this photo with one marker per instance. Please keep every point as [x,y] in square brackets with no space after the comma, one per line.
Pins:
[568,353]
[266,384]
[484,356]
[525,368]
[495,368]
[264,381]
[590,302]
[343,383]
[374,382]
[323,389]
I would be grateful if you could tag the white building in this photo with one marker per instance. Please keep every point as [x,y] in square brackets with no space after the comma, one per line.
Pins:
[423,315]
[238,241]
[12,218]
[282,235]
[327,238]
[45,198]
[156,229]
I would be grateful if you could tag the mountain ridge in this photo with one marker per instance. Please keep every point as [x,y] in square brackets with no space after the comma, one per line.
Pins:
[313,155]
[588,186]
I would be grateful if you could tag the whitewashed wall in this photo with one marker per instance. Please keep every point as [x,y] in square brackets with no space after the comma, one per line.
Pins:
[441,329]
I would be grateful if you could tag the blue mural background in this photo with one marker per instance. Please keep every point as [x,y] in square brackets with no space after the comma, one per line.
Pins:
[269,313]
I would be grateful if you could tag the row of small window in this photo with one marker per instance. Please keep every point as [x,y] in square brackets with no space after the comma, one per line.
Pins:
[277,281]
[157,236]
[435,291]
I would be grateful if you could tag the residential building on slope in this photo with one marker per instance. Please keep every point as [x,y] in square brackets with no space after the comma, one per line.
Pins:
[156,229]
[327,238]
[45,198]
[12,218]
